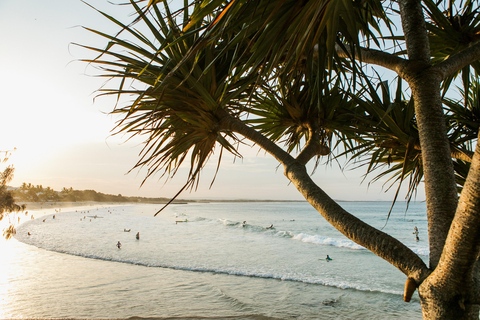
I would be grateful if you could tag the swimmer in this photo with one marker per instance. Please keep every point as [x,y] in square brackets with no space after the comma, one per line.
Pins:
[416,234]
[244,223]
[137,236]
[270,227]
[328,258]
[119,245]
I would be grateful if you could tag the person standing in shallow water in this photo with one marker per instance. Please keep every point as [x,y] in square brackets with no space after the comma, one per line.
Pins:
[137,236]
[119,245]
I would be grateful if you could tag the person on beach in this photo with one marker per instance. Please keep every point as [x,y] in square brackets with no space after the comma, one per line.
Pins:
[119,245]
[137,236]
[328,258]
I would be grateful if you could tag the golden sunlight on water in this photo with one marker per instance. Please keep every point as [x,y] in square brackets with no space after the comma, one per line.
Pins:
[7,253]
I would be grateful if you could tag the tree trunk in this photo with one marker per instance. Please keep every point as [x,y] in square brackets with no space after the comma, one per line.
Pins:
[441,305]
[440,186]
[451,291]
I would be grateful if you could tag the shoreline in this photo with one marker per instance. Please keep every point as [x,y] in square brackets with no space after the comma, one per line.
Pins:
[71,204]
[37,206]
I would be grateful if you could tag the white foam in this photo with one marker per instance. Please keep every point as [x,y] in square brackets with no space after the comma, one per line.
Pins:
[327,241]
[422,251]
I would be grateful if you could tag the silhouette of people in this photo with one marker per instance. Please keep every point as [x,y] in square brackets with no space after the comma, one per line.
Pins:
[119,245]
[137,236]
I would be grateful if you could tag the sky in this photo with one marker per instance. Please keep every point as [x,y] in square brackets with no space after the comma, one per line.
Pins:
[63,134]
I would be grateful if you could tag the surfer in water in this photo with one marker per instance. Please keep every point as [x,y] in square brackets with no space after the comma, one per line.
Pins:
[119,245]
[244,224]
[328,258]
[270,227]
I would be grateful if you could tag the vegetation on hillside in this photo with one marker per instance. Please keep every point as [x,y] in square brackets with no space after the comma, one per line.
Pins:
[31,193]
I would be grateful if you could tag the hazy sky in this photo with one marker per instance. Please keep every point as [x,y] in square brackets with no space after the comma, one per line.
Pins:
[63,137]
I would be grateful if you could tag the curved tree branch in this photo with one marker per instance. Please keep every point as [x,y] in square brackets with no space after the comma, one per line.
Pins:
[380,243]
[460,154]
[355,229]
[312,148]
[377,57]
[458,61]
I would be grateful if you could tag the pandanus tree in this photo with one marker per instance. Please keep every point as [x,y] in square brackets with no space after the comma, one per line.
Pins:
[300,80]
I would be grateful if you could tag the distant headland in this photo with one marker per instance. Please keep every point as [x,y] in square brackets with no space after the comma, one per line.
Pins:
[28,193]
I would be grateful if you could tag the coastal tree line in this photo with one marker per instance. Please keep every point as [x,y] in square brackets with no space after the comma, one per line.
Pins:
[390,86]
[37,193]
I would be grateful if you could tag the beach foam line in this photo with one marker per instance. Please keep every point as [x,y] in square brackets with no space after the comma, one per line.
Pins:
[242,273]
[327,241]
[344,243]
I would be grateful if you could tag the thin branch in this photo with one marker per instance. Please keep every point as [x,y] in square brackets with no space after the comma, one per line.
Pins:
[457,153]
[229,122]
[463,155]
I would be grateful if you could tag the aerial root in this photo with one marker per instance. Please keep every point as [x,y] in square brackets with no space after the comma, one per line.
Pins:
[410,287]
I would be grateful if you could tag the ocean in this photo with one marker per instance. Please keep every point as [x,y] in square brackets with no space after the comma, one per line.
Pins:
[216,260]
